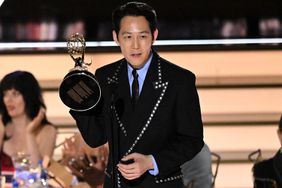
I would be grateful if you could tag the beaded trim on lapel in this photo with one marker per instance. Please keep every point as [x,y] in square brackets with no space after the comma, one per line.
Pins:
[119,122]
[157,85]
[114,78]
[157,180]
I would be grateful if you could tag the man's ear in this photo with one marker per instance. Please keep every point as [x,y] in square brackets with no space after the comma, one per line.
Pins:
[155,34]
[115,37]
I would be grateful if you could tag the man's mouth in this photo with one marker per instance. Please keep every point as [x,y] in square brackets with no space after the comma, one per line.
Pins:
[136,54]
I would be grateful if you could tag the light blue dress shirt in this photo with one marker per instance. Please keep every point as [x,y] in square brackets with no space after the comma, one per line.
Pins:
[141,74]
[141,78]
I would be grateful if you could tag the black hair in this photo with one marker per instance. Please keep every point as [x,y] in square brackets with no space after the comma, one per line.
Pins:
[134,9]
[25,83]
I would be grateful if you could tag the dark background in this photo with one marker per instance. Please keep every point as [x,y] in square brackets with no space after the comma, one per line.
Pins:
[100,10]
[179,19]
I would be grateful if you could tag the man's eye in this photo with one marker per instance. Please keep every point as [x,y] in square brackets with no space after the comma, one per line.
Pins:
[127,37]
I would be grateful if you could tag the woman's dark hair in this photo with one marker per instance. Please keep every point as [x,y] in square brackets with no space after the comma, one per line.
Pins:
[134,9]
[25,83]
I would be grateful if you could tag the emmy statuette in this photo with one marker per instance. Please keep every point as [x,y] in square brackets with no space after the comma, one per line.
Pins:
[79,90]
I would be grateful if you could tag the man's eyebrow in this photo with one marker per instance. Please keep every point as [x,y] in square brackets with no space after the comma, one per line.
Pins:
[141,32]
[126,32]
[145,32]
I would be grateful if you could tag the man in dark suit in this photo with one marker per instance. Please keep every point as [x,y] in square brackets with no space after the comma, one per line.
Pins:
[268,173]
[149,111]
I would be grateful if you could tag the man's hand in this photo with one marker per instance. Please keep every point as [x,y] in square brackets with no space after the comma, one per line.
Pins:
[134,170]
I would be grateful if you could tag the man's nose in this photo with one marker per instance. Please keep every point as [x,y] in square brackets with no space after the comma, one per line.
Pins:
[135,42]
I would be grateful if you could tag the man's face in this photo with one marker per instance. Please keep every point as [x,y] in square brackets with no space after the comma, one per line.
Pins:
[135,40]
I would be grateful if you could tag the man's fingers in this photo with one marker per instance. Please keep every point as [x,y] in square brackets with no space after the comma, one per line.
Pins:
[135,169]
[130,156]
[129,172]
[127,166]
[129,176]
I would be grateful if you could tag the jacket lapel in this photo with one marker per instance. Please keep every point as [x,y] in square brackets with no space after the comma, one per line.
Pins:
[133,124]
[151,96]
[147,100]
[122,104]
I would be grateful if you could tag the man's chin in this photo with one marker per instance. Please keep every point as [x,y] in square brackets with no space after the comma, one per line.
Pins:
[136,64]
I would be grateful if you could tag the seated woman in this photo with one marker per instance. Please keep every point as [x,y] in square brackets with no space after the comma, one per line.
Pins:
[268,173]
[23,124]
[87,163]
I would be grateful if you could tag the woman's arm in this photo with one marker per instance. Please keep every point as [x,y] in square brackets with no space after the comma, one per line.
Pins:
[40,140]
[47,141]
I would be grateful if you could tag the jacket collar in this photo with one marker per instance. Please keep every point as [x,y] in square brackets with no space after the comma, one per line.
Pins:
[134,124]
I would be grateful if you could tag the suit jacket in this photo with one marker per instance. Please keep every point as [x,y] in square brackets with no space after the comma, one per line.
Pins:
[166,122]
[266,170]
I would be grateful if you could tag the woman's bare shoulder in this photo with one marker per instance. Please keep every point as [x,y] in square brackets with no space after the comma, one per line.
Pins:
[48,130]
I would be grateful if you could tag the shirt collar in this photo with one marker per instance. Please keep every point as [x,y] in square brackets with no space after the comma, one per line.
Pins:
[142,71]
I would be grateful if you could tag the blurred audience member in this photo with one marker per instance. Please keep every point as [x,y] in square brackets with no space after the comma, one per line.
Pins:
[77,26]
[197,172]
[234,28]
[270,27]
[87,163]
[268,173]
[23,126]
